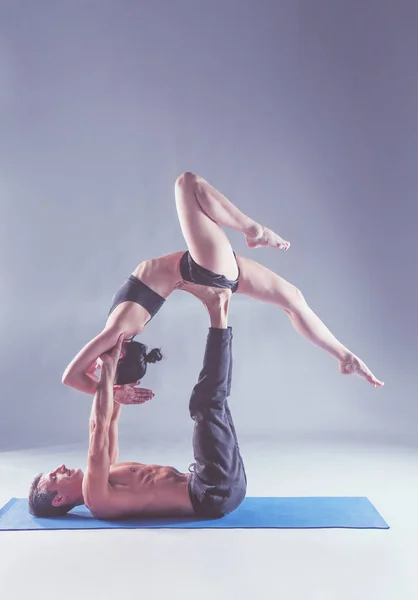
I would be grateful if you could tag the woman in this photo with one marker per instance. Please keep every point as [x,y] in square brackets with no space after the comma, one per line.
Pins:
[210,261]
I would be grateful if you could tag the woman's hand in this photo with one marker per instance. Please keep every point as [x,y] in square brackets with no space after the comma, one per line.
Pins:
[122,394]
[129,394]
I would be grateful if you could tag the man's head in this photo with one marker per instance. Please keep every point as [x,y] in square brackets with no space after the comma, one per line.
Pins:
[53,494]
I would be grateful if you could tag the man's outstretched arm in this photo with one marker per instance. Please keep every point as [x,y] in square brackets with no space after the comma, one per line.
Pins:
[123,394]
[96,490]
[114,434]
[102,412]
[103,501]
[103,409]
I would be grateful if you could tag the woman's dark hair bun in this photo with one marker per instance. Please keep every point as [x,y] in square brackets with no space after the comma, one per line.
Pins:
[153,356]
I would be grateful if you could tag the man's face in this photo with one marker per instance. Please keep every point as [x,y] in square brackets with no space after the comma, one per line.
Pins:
[67,482]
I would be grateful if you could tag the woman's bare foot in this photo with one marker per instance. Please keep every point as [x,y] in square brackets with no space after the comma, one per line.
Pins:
[352,365]
[259,236]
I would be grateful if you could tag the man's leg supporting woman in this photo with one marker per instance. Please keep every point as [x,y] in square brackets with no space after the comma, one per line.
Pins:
[218,483]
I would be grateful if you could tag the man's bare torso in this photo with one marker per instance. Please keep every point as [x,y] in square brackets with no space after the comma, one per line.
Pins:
[160,490]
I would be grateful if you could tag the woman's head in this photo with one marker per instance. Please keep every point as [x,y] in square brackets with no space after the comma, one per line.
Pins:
[133,364]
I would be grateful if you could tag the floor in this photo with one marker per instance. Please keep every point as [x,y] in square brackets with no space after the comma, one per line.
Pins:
[228,564]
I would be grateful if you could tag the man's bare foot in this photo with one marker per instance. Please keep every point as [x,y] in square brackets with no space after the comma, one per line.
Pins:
[215,300]
[352,365]
[259,236]
[212,297]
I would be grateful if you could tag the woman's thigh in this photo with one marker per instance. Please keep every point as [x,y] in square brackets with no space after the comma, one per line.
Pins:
[259,282]
[207,242]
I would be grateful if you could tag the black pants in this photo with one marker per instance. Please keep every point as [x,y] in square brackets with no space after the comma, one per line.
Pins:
[218,483]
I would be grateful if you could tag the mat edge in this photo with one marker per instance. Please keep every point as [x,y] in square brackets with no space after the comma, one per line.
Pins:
[4,509]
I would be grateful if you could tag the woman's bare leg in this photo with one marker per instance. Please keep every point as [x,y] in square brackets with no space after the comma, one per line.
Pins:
[202,210]
[259,282]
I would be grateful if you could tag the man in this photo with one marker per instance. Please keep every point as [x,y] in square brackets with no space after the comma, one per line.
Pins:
[111,490]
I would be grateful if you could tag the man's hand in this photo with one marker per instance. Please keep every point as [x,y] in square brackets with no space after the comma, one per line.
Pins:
[128,394]
[215,300]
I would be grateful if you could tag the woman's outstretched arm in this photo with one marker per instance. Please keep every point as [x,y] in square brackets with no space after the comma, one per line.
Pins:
[78,374]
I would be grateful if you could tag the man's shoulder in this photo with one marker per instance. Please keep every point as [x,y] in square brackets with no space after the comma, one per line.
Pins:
[100,509]
[95,487]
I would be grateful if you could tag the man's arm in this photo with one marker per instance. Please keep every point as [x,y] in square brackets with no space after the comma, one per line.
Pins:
[102,500]
[114,434]
[123,395]
[96,488]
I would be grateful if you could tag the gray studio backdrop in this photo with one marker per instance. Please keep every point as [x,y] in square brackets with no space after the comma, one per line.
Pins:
[303,112]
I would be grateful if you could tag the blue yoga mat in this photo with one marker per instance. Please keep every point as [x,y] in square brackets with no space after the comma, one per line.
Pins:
[253,513]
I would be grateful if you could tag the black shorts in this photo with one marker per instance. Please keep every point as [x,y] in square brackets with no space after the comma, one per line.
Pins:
[191,271]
